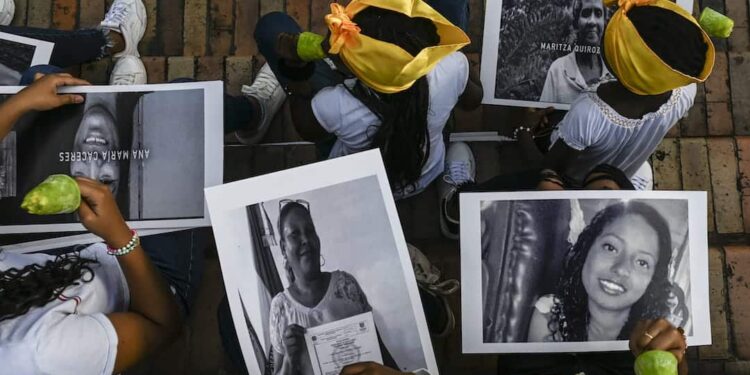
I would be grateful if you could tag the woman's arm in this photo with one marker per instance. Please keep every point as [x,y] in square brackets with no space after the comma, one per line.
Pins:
[538,327]
[154,319]
[471,98]
[40,96]
[663,336]
[304,119]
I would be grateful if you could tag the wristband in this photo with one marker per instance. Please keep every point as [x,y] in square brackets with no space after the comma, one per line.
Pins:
[130,246]
[309,46]
[520,128]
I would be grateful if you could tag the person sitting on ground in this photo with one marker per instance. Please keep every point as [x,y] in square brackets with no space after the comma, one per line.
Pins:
[118,36]
[100,310]
[623,122]
[397,103]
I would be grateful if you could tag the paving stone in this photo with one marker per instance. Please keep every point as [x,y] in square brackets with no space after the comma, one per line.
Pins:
[170,21]
[245,18]
[743,159]
[268,159]
[64,14]
[318,11]
[195,28]
[717,84]
[180,67]
[149,44]
[299,155]
[674,132]
[300,11]
[666,165]
[739,71]
[90,13]
[739,40]
[239,71]
[723,161]
[268,6]
[719,348]
[221,27]
[694,125]
[96,72]
[738,279]
[210,68]
[737,11]
[711,368]
[39,13]
[719,118]
[19,18]
[695,171]
[156,69]
[737,368]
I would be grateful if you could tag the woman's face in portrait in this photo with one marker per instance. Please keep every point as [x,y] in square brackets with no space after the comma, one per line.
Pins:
[621,263]
[96,135]
[590,22]
[301,243]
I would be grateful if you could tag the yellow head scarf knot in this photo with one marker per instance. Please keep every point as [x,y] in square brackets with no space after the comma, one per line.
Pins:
[636,66]
[344,32]
[383,66]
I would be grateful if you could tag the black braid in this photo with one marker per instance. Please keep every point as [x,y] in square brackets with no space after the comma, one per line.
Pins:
[35,285]
[570,314]
[402,136]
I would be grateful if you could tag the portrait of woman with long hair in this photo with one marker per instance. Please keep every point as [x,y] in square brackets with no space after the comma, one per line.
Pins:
[616,274]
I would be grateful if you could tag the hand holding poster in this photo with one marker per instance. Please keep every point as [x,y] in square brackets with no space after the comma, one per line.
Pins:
[303,250]
[561,272]
[541,53]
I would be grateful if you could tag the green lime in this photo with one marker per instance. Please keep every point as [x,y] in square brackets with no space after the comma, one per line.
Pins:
[656,362]
[58,194]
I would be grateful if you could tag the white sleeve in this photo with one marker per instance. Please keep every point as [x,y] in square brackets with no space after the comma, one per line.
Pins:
[463,66]
[76,344]
[579,129]
[326,106]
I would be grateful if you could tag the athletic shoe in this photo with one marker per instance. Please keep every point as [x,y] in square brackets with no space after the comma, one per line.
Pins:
[127,17]
[267,90]
[440,318]
[460,169]
[128,70]
[7,11]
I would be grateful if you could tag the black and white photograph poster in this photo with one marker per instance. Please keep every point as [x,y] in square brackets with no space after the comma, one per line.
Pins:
[317,271]
[17,54]
[155,146]
[574,271]
[543,53]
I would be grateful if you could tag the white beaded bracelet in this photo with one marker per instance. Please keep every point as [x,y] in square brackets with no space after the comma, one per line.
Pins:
[516,130]
[130,246]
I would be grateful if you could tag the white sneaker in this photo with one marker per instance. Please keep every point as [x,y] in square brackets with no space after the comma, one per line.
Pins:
[128,70]
[7,11]
[267,90]
[428,280]
[127,17]
[460,169]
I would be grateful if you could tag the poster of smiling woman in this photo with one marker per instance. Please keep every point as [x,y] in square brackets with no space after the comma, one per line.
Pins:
[541,53]
[567,272]
[155,146]
[317,271]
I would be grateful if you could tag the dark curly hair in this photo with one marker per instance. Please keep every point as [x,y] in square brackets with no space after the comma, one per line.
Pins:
[570,312]
[402,136]
[37,284]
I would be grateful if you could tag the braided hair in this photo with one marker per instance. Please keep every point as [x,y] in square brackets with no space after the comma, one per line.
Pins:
[570,312]
[37,284]
[402,136]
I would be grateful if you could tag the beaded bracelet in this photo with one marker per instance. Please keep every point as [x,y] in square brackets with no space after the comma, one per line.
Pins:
[516,130]
[130,246]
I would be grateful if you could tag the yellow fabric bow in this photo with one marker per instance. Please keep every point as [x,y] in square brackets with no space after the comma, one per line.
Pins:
[383,66]
[636,66]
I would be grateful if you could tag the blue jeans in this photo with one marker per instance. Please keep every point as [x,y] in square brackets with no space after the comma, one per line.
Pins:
[71,47]
[27,77]
[179,258]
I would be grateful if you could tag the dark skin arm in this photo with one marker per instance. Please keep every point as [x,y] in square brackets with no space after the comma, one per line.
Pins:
[666,338]
[153,319]
[471,98]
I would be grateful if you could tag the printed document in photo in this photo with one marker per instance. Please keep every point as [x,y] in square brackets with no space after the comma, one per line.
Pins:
[337,344]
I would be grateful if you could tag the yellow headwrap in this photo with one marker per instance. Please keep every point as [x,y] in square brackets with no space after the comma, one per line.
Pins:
[636,66]
[384,66]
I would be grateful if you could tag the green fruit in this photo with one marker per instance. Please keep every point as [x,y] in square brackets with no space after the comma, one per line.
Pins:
[715,23]
[58,194]
[656,362]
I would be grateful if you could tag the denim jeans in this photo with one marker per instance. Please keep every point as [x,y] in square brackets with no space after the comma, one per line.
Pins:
[179,258]
[71,47]
[27,77]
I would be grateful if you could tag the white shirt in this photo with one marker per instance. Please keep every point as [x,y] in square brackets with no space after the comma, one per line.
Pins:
[605,136]
[71,334]
[340,113]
